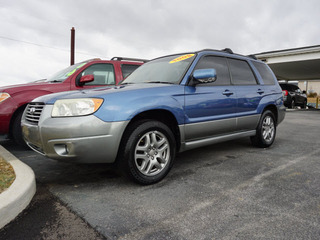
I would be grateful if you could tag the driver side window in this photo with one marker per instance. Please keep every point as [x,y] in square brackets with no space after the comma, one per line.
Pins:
[221,67]
[103,74]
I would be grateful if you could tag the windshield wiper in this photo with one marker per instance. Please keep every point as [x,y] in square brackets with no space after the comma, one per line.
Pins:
[161,82]
[55,81]
[125,83]
[40,80]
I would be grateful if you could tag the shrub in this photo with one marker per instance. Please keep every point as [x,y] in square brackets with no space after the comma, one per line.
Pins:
[312,95]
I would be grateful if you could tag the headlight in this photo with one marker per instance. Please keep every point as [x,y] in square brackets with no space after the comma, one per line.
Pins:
[4,96]
[75,107]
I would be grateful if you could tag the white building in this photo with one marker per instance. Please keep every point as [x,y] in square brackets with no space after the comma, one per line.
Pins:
[301,65]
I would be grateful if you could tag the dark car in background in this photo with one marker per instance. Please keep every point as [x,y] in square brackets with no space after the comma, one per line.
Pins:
[293,96]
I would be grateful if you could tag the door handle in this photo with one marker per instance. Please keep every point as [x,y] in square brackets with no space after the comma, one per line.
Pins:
[260,91]
[227,93]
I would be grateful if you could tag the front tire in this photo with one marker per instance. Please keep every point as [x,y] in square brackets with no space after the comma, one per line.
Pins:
[16,130]
[147,151]
[266,131]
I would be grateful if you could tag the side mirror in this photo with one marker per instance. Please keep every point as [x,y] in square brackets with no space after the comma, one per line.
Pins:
[205,75]
[86,79]
[304,92]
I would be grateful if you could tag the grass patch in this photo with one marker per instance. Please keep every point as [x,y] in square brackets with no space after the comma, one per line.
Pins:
[7,175]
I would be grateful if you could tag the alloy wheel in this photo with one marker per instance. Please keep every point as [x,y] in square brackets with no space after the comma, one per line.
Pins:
[268,129]
[152,153]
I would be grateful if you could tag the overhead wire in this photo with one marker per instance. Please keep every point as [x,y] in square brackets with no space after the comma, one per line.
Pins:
[45,46]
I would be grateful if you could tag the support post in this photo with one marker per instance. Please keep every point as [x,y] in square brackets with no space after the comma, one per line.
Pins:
[72,46]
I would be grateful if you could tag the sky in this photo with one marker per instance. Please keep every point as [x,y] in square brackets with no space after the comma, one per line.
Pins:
[35,34]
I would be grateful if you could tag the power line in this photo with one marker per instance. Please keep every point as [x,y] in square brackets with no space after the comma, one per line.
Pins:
[36,44]
[45,46]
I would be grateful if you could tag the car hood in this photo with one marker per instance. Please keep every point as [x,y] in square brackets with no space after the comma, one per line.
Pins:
[104,92]
[12,89]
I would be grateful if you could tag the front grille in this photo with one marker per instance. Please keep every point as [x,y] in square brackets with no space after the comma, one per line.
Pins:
[33,112]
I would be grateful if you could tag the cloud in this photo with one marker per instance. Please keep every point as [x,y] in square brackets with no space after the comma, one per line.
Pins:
[144,29]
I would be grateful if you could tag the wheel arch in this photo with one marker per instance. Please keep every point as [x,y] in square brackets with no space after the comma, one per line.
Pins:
[274,110]
[14,115]
[161,115]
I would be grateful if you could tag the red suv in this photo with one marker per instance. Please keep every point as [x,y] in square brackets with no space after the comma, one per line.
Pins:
[83,75]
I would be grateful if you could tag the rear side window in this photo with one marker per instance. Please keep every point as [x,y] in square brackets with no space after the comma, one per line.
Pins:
[221,67]
[288,87]
[103,74]
[265,73]
[241,73]
[294,88]
[128,69]
[283,87]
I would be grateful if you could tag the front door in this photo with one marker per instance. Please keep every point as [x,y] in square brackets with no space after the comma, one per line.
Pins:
[210,108]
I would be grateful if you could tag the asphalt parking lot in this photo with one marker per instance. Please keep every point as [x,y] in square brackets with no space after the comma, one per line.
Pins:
[225,191]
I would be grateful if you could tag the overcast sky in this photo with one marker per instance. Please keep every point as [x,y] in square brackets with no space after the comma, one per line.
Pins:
[35,34]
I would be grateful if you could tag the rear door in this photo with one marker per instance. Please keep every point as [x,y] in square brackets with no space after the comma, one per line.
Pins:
[127,69]
[249,94]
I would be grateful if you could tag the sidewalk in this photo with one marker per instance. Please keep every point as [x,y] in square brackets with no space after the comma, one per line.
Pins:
[15,199]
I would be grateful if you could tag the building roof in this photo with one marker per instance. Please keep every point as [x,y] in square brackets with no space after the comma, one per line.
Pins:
[295,63]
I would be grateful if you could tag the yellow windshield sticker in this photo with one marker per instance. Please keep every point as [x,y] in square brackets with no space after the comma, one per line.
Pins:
[73,71]
[181,58]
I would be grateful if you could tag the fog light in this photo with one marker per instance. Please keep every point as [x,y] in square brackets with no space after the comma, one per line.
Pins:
[61,149]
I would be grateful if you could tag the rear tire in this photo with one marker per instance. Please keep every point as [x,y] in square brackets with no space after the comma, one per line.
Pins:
[292,104]
[266,131]
[304,105]
[147,151]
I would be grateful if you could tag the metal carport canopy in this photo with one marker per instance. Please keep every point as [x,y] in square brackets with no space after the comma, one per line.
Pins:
[294,64]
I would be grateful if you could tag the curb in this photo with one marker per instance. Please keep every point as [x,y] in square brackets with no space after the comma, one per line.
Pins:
[18,196]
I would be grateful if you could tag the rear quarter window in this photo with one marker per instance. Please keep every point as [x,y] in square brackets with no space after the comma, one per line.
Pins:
[265,73]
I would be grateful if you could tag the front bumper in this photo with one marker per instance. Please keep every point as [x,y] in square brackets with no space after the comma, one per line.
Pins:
[287,101]
[7,108]
[85,139]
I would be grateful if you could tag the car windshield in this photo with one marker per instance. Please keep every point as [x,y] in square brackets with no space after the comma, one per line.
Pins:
[65,73]
[169,69]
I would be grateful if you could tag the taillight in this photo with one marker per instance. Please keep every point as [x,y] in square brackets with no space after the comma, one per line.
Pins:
[285,92]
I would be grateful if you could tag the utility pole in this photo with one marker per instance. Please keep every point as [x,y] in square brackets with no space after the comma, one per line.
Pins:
[72,46]
[307,87]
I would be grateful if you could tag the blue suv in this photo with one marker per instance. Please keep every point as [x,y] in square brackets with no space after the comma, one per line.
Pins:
[168,105]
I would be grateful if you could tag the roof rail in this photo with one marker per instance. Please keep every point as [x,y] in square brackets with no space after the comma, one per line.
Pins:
[228,50]
[129,59]
[253,56]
